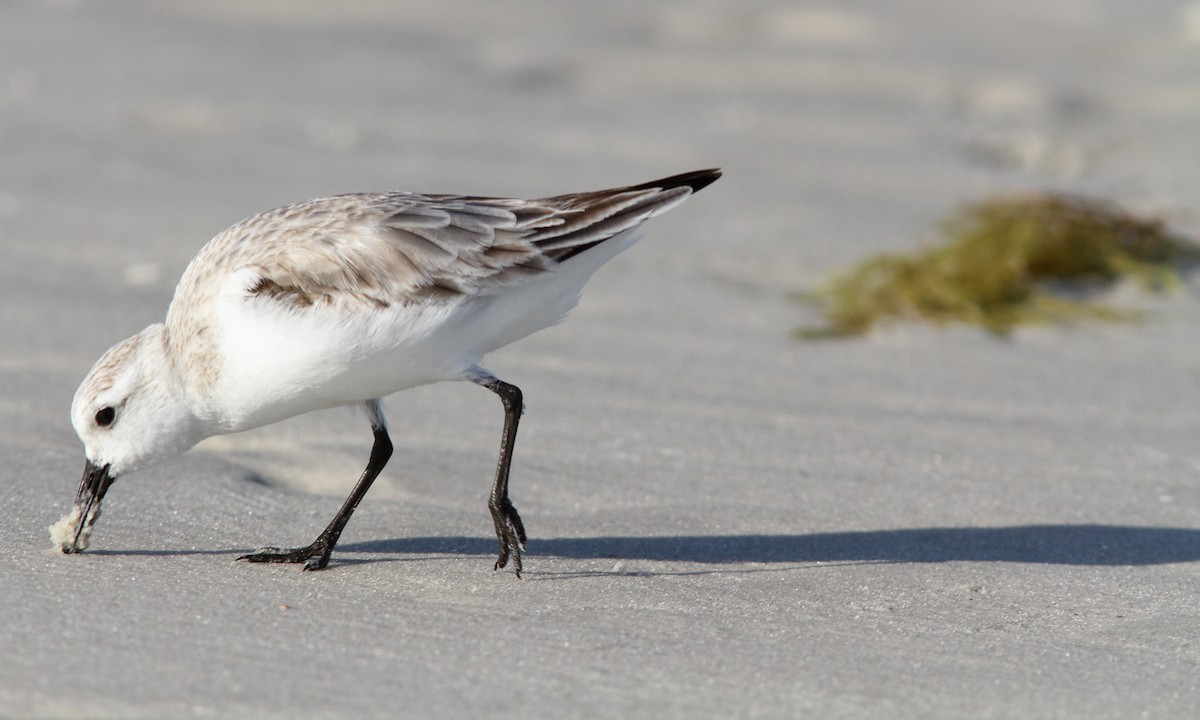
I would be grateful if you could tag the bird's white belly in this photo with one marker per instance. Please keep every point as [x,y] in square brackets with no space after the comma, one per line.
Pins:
[279,363]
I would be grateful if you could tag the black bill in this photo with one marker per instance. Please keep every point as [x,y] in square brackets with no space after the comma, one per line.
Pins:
[95,483]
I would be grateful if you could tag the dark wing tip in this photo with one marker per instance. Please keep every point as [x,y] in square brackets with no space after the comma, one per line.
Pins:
[697,180]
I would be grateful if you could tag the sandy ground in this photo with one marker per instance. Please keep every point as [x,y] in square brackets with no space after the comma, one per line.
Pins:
[724,522]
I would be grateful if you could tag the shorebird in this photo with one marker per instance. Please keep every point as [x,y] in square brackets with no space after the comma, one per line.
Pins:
[343,301]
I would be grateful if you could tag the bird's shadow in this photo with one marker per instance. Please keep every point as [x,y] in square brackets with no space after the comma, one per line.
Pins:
[1102,545]
[1095,545]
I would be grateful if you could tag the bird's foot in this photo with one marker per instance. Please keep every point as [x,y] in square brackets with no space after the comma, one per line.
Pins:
[510,531]
[314,557]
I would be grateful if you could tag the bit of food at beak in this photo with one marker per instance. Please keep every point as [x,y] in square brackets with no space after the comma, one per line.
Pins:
[71,533]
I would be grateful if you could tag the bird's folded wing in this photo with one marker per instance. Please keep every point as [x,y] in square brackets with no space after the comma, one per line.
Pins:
[407,248]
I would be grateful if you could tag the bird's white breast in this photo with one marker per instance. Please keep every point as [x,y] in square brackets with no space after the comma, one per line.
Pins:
[277,361]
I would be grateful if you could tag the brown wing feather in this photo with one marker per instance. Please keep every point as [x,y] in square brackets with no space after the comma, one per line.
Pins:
[386,248]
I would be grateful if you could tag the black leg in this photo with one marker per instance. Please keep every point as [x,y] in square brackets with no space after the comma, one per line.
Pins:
[316,555]
[509,529]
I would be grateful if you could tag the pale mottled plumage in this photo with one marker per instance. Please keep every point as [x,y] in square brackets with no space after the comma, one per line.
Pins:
[347,299]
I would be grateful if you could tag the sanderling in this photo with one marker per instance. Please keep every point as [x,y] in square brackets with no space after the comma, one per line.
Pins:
[342,301]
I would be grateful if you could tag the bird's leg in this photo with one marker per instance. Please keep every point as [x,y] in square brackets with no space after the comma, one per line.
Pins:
[509,529]
[316,555]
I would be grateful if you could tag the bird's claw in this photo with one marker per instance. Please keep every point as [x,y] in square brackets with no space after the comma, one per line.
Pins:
[314,557]
[510,532]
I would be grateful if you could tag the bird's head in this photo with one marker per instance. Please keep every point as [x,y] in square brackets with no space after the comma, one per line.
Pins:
[130,413]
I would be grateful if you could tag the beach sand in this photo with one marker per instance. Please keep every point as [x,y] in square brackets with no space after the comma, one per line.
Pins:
[723,521]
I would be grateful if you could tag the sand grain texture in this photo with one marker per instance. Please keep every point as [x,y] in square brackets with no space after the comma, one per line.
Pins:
[724,522]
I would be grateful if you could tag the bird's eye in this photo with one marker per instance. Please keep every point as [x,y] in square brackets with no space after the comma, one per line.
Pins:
[105,416]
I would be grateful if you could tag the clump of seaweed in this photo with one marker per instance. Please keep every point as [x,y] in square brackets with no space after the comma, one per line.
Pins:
[1009,261]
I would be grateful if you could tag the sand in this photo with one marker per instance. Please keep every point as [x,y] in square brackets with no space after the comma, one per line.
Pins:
[724,522]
